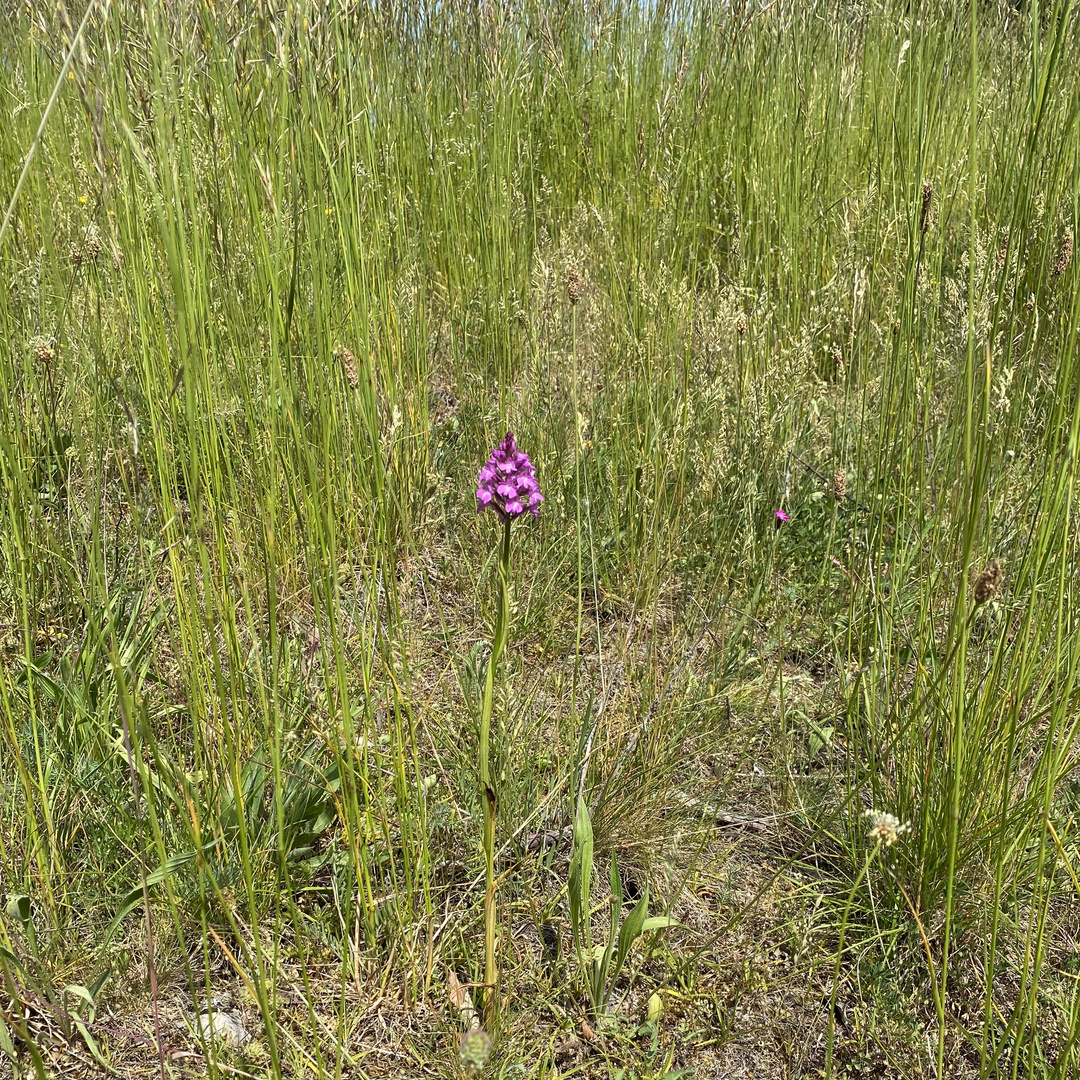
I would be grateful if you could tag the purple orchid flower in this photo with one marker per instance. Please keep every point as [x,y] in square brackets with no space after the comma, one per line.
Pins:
[507,482]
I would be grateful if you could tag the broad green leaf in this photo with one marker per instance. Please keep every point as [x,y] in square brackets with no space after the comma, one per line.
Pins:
[657,922]
[631,930]
[18,907]
[80,992]
[91,1044]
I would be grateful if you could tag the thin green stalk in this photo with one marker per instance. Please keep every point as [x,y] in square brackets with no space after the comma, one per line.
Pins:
[487,790]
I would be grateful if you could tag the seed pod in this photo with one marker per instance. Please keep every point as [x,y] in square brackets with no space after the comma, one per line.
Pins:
[43,350]
[839,484]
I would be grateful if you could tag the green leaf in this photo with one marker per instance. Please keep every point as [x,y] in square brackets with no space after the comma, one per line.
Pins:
[135,896]
[5,1041]
[820,737]
[657,922]
[18,907]
[631,931]
[573,889]
[91,1045]
[80,992]
[583,847]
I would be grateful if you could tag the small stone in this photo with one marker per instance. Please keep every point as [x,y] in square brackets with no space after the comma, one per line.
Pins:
[223,1025]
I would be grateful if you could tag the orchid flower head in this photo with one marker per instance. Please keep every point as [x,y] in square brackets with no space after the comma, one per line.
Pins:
[507,482]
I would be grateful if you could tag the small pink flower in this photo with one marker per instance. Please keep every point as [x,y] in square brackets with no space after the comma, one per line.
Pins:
[781,518]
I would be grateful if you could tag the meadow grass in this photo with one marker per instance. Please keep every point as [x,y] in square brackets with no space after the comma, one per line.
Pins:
[273,281]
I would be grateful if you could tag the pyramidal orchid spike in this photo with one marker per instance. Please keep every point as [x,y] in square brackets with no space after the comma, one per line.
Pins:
[507,482]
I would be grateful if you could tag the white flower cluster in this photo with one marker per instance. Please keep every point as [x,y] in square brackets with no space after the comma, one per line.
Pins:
[885,827]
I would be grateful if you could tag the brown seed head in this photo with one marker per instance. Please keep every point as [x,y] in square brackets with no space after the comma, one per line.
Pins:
[896,328]
[741,327]
[75,254]
[839,484]
[988,582]
[1061,264]
[927,206]
[574,285]
[347,361]
[92,247]
[43,350]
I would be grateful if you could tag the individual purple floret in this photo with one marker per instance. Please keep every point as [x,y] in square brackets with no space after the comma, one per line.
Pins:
[507,482]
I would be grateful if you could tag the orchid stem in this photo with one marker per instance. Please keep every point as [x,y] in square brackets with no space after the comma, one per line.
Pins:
[487,790]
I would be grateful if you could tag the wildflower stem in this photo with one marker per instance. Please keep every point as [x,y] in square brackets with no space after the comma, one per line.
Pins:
[487,790]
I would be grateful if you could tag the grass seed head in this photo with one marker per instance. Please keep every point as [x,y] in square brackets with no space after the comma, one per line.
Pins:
[347,361]
[839,484]
[988,582]
[1061,264]
[927,206]
[574,286]
[75,254]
